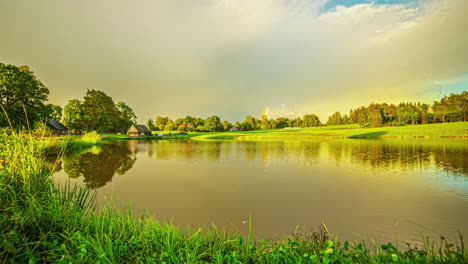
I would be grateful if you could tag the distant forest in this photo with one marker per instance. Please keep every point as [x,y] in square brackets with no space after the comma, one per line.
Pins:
[23,99]
[452,108]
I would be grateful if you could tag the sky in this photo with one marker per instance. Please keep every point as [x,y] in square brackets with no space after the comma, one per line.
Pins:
[232,58]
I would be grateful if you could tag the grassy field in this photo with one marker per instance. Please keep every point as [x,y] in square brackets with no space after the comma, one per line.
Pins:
[448,130]
[41,222]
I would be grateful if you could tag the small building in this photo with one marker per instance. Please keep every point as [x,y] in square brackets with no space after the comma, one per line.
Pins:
[57,127]
[138,131]
[235,129]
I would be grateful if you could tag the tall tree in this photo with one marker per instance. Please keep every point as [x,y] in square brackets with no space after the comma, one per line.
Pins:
[310,121]
[73,116]
[19,88]
[100,112]
[150,125]
[250,123]
[375,115]
[226,125]
[264,122]
[213,123]
[161,122]
[126,116]
[334,119]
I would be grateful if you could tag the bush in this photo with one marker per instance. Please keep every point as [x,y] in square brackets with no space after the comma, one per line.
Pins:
[91,138]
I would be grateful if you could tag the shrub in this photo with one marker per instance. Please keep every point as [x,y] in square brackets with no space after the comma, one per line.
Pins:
[91,138]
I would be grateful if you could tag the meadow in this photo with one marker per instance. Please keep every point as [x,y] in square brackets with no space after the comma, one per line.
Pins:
[442,130]
[42,222]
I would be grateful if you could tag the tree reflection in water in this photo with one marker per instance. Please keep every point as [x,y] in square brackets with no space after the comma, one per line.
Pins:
[98,166]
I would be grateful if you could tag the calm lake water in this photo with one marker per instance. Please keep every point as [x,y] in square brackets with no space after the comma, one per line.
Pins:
[386,190]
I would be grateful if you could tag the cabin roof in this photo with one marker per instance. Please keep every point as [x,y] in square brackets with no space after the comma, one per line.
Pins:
[141,128]
[56,125]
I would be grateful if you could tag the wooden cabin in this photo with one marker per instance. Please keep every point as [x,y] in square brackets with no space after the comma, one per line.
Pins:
[57,127]
[138,131]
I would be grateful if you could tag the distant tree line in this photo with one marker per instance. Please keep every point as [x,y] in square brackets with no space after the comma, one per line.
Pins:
[23,95]
[214,124]
[452,108]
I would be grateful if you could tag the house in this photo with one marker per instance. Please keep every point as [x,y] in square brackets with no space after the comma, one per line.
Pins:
[235,129]
[138,131]
[57,127]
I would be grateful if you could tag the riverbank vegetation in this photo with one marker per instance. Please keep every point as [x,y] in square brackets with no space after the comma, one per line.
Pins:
[41,222]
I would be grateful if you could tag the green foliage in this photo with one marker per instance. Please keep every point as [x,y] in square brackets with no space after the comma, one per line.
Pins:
[22,95]
[452,108]
[126,117]
[250,123]
[213,124]
[311,121]
[91,138]
[151,125]
[335,119]
[161,122]
[98,112]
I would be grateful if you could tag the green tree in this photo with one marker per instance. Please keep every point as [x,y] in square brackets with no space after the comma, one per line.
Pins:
[161,122]
[310,121]
[335,119]
[297,122]
[150,125]
[126,116]
[189,120]
[264,122]
[19,88]
[272,124]
[178,122]
[54,112]
[250,123]
[226,125]
[213,123]
[73,116]
[170,126]
[345,120]
[100,112]
[282,122]
[375,115]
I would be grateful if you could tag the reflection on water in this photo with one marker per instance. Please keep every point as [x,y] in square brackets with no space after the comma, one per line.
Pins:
[98,165]
[377,188]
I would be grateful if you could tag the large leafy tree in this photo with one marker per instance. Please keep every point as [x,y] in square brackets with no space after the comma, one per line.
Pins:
[213,123]
[21,91]
[100,112]
[250,123]
[97,112]
[310,121]
[161,122]
[126,116]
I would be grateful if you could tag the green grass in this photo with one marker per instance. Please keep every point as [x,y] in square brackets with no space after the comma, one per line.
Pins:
[41,222]
[458,129]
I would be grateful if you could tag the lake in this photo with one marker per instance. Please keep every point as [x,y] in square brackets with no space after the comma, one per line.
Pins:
[386,190]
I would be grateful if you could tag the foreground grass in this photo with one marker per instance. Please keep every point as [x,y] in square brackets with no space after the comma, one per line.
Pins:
[447,130]
[41,222]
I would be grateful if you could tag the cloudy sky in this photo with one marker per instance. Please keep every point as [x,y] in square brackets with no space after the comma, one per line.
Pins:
[235,57]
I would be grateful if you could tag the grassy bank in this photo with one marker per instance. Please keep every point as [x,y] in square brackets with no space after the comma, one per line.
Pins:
[41,222]
[447,130]
[166,135]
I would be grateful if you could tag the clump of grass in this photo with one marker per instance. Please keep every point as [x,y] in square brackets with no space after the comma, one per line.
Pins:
[41,222]
[91,138]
